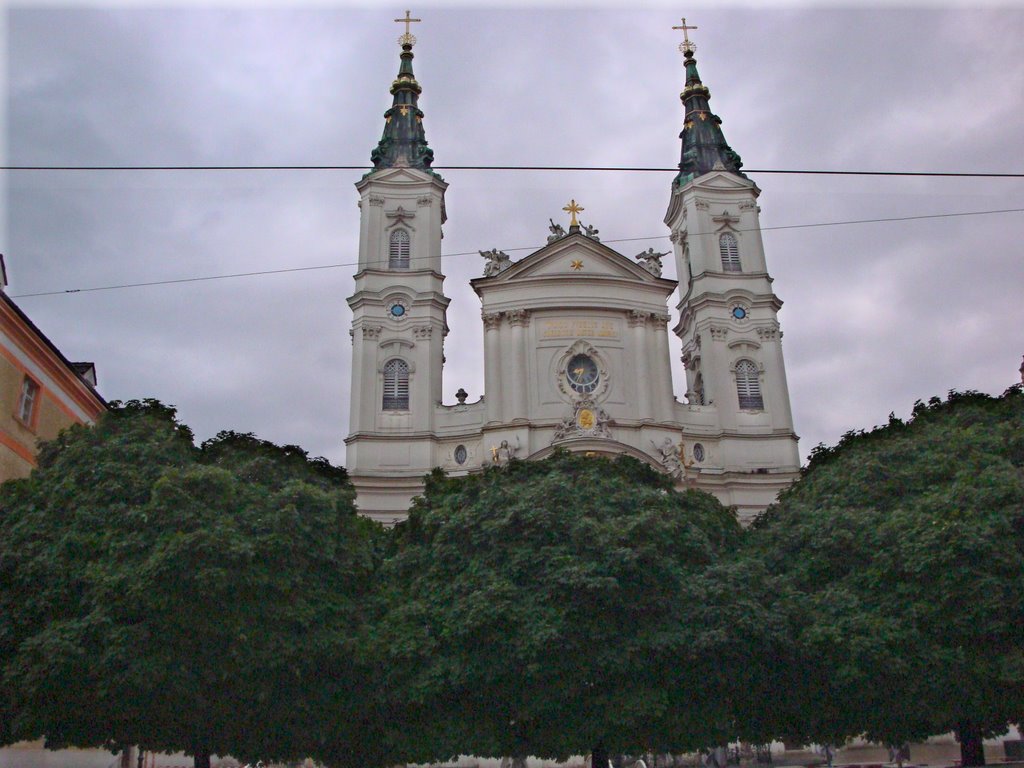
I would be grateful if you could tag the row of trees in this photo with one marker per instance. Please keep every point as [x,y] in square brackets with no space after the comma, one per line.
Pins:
[228,599]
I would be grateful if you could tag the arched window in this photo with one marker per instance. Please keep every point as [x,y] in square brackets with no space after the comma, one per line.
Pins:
[396,385]
[398,250]
[748,386]
[730,250]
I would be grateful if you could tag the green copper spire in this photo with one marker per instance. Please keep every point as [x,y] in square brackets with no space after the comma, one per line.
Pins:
[704,145]
[403,143]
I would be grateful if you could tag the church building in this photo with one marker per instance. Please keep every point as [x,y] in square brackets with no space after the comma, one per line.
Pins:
[577,351]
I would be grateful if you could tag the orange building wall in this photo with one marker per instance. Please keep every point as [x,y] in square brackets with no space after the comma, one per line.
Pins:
[64,398]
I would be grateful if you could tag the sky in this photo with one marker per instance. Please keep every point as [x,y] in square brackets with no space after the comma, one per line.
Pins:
[876,315]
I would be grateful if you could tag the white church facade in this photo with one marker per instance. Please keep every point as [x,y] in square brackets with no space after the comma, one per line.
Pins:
[577,346]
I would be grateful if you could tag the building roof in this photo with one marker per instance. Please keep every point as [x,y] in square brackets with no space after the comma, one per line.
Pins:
[704,146]
[404,142]
[83,371]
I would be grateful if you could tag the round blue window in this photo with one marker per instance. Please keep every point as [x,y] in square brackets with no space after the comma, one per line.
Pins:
[739,313]
[397,310]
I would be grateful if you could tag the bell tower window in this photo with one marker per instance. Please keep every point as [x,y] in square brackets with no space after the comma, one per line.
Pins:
[729,248]
[398,250]
[396,385]
[748,386]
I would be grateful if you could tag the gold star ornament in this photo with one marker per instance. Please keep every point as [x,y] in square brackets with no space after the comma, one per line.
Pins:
[577,264]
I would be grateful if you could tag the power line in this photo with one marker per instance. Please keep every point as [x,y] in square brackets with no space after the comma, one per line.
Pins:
[620,169]
[205,278]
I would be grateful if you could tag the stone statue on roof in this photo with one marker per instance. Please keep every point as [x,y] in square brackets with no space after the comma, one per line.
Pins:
[651,261]
[497,262]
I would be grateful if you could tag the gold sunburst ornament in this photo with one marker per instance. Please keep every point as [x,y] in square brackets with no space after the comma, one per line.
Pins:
[408,38]
[686,46]
[577,264]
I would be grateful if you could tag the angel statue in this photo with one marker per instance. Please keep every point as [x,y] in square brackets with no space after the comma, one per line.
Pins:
[557,231]
[651,261]
[497,262]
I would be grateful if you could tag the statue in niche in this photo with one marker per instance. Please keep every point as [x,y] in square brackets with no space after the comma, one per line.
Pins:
[501,454]
[590,231]
[497,262]
[557,231]
[670,457]
[651,261]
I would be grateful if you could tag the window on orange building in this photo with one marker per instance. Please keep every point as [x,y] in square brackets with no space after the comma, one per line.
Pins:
[28,402]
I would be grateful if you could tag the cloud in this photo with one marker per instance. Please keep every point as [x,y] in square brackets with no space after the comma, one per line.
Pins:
[876,315]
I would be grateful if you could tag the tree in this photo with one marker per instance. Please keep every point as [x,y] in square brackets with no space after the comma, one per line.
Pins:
[900,559]
[555,608]
[206,600]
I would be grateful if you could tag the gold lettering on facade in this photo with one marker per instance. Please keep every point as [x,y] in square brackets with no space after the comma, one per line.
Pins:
[580,326]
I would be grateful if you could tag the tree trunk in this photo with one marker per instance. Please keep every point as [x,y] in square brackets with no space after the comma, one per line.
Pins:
[202,758]
[972,749]
[599,757]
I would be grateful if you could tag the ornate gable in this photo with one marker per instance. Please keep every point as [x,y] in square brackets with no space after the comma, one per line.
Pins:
[574,257]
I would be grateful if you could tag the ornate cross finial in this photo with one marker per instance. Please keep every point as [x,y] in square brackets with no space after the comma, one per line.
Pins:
[686,46]
[410,39]
[573,208]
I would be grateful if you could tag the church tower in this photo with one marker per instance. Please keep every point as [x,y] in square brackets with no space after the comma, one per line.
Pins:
[576,346]
[735,374]
[399,306]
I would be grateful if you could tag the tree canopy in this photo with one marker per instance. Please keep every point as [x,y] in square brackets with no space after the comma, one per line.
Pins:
[899,557]
[558,607]
[227,598]
[180,598]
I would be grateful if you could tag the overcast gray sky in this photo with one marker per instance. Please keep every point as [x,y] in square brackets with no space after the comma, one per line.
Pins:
[876,315]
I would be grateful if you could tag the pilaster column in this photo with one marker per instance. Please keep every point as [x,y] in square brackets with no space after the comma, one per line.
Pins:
[663,374]
[641,363]
[356,395]
[776,388]
[518,320]
[492,365]
[365,405]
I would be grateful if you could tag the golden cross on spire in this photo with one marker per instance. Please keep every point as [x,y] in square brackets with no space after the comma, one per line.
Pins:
[686,46]
[408,38]
[573,208]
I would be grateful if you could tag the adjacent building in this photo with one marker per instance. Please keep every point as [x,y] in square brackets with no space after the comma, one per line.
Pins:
[42,391]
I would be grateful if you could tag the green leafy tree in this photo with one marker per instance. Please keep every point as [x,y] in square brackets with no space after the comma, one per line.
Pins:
[180,598]
[899,558]
[560,607]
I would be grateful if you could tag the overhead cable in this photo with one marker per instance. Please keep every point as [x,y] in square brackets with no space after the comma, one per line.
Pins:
[520,248]
[620,169]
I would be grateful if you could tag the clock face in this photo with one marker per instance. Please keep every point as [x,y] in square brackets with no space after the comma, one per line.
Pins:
[582,374]
[397,309]
[739,313]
